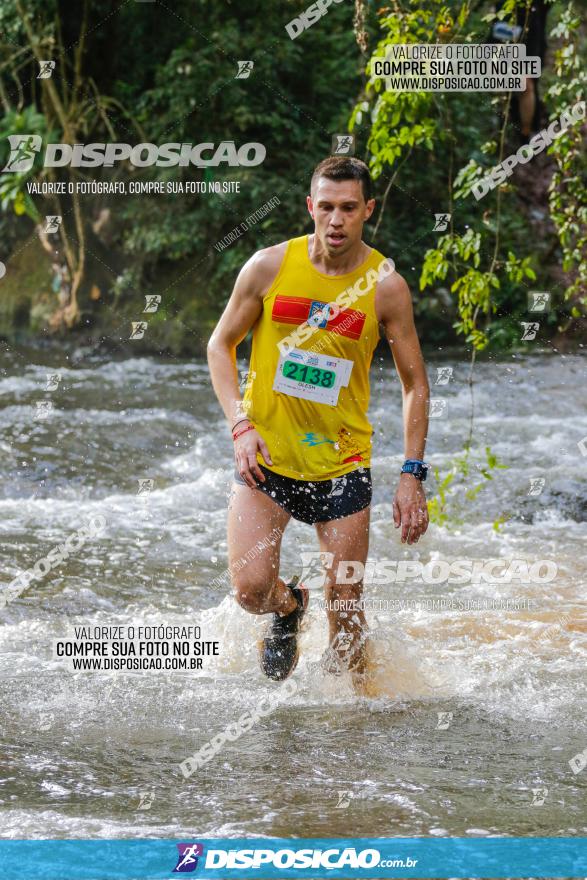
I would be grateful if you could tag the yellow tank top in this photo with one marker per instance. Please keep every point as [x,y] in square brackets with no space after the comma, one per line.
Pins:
[307,390]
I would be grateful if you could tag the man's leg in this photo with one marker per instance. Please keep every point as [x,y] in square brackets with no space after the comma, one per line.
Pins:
[253,517]
[348,540]
[255,528]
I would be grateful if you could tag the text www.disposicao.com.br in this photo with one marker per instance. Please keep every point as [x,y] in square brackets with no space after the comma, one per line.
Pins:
[100,664]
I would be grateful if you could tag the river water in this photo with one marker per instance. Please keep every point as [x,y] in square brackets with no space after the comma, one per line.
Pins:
[476,712]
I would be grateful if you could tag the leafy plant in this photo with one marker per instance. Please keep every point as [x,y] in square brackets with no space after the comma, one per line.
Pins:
[568,187]
[459,484]
[470,257]
[13,184]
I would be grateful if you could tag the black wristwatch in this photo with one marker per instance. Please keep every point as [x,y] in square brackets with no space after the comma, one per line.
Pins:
[416,467]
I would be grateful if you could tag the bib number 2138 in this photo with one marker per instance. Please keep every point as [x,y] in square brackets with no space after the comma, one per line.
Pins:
[312,376]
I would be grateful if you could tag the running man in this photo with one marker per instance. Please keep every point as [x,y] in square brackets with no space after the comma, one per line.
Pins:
[302,440]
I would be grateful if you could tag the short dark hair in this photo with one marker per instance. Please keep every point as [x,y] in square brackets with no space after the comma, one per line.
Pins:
[345,168]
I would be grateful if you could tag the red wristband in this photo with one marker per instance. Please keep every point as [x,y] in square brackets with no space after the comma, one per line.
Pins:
[244,431]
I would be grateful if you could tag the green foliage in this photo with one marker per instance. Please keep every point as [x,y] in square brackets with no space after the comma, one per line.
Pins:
[484,275]
[180,82]
[13,184]
[568,188]
[425,150]
[399,120]
[438,504]
[489,286]
[473,288]
[462,483]
[279,105]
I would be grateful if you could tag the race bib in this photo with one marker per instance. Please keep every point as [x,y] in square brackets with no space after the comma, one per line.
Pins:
[315,377]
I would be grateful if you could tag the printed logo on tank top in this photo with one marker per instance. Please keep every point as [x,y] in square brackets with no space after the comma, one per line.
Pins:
[297,309]
[345,445]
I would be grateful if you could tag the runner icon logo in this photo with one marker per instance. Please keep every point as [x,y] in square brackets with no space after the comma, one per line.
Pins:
[444,719]
[344,800]
[536,485]
[138,329]
[146,799]
[52,223]
[23,149]
[531,328]
[441,222]
[338,484]
[187,860]
[438,408]
[46,69]
[152,302]
[343,145]
[539,796]
[245,69]
[538,300]
[443,375]
[315,564]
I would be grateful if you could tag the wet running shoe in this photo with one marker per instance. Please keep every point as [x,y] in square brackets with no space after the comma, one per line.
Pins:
[279,652]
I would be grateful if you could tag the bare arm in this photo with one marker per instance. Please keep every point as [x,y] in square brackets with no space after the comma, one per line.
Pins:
[242,311]
[393,304]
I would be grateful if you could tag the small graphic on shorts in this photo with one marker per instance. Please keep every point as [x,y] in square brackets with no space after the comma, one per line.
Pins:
[338,486]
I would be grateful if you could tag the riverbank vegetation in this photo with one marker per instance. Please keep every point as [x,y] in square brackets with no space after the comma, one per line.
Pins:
[149,73]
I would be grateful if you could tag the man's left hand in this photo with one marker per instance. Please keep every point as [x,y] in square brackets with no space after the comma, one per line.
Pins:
[410,510]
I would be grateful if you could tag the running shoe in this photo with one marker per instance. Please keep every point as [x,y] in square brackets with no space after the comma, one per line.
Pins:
[279,651]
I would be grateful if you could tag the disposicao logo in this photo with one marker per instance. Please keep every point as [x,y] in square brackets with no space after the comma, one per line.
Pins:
[24,148]
[283,859]
[187,860]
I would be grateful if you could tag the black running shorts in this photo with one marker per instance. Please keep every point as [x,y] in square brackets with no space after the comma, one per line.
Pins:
[320,500]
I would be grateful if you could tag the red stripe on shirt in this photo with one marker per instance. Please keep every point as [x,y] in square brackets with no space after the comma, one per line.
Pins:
[296,310]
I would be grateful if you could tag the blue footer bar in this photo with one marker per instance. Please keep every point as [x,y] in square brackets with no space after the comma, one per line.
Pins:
[256,858]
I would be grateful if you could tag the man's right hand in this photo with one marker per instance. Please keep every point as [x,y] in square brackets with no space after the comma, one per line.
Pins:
[245,455]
